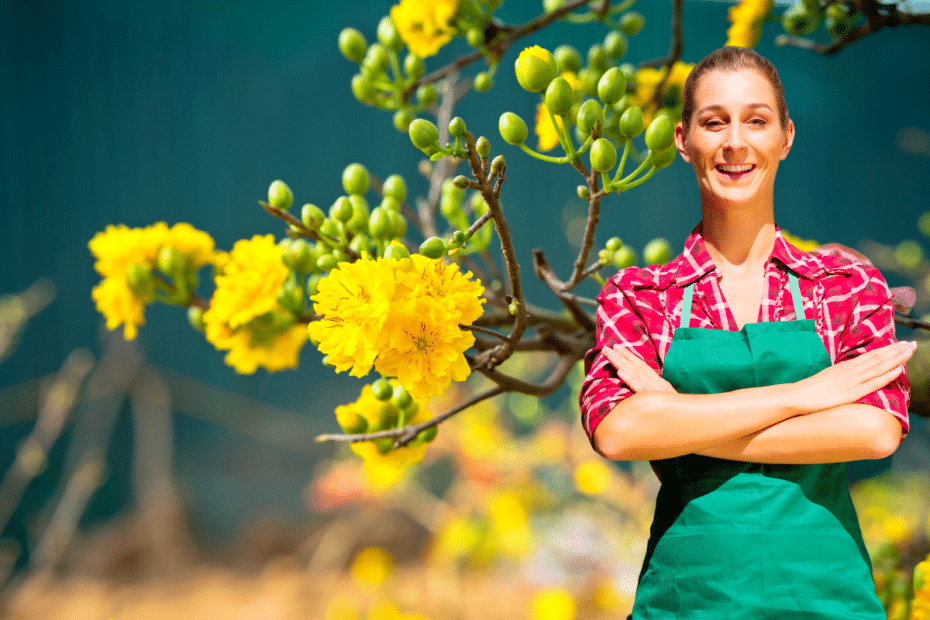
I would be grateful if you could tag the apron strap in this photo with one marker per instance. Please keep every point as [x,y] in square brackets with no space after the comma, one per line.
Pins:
[685,319]
[796,296]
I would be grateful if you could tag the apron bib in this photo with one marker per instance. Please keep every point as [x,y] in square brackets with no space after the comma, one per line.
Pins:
[735,540]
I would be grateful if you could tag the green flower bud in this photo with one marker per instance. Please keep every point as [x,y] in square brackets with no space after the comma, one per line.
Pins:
[313,284]
[388,34]
[483,82]
[513,307]
[382,389]
[612,86]
[584,192]
[299,256]
[195,318]
[280,195]
[312,216]
[461,181]
[340,210]
[402,119]
[629,70]
[361,243]
[552,5]
[379,223]
[657,252]
[396,251]
[660,134]
[603,155]
[172,262]
[839,20]
[140,281]
[801,19]
[426,95]
[513,128]
[376,59]
[625,257]
[613,244]
[589,115]
[631,122]
[398,224]
[395,187]
[326,262]
[567,58]
[413,67]
[427,435]
[457,127]
[355,179]
[358,223]
[604,257]
[559,96]
[597,58]
[535,68]
[401,397]
[632,22]
[333,231]
[433,248]
[291,295]
[483,147]
[587,81]
[497,164]
[423,134]
[664,159]
[458,238]
[354,424]
[352,44]
[475,37]
[615,44]
[362,88]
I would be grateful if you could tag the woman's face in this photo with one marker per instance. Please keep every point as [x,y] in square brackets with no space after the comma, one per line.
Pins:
[735,140]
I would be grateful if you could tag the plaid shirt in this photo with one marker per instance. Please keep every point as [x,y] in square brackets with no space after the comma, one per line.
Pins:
[640,308]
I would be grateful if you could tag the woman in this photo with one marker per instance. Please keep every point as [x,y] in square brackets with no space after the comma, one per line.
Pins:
[748,372]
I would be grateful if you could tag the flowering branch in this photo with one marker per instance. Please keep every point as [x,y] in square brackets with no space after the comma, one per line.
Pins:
[674,54]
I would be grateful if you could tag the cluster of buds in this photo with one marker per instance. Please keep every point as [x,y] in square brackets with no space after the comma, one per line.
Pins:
[616,253]
[805,16]
[397,409]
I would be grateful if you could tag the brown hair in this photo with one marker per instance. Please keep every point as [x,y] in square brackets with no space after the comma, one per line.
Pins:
[733,59]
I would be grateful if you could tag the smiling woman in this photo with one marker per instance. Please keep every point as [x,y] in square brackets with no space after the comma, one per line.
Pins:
[791,369]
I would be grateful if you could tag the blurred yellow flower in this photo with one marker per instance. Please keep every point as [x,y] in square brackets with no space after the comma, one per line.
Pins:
[804,245]
[555,604]
[747,18]
[593,477]
[649,78]
[119,306]
[457,539]
[372,566]
[245,317]
[424,25]
[510,524]
[353,301]
[340,608]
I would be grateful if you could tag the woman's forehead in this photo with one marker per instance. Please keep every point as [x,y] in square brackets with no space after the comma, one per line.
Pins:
[728,86]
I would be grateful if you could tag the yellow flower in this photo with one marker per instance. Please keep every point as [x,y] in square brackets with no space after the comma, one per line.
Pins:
[424,25]
[245,317]
[442,281]
[383,469]
[119,247]
[592,477]
[353,301]
[648,79]
[372,566]
[510,524]
[747,18]
[535,68]
[424,347]
[555,604]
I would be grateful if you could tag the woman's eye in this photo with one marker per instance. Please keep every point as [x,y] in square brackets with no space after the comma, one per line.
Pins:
[758,121]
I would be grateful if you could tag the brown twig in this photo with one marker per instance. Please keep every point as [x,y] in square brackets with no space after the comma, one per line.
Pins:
[674,54]
[547,387]
[906,321]
[304,231]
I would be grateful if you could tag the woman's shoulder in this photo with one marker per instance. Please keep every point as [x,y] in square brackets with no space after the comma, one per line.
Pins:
[837,262]
[652,277]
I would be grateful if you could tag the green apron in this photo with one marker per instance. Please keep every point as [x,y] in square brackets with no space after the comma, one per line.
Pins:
[733,540]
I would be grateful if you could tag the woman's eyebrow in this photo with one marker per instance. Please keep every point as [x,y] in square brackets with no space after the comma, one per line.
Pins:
[719,108]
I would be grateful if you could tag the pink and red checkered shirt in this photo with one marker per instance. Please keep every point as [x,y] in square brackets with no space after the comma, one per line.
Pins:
[640,308]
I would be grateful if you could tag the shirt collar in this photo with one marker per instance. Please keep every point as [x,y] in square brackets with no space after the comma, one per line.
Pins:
[695,262]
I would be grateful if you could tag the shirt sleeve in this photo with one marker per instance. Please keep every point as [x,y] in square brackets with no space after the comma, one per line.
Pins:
[871,326]
[617,322]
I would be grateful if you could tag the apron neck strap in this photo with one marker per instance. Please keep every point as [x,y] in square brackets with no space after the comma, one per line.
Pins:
[796,296]
[685,319]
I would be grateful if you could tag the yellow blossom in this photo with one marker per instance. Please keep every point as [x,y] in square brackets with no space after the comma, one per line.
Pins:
[592,477]
[648,79]
[510,524]
[353,301]
[442,281]
[555,604]
[424,25]
[456,539]
[383,469]
[746,20]
[119,305]
[196,245]
[424,347]
[245,317]
[372,566]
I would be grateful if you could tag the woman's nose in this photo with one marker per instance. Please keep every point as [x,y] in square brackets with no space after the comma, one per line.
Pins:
[734,137]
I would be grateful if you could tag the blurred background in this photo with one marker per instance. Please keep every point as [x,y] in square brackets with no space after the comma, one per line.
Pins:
[169,478]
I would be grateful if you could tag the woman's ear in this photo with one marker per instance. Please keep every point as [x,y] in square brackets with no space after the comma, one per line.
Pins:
[789,138]
[680,142]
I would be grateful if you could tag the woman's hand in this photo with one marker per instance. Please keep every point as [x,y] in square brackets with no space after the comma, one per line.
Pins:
[850,380]
[637,374]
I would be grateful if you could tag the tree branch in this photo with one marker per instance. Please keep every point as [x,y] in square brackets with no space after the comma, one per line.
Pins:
[674,54]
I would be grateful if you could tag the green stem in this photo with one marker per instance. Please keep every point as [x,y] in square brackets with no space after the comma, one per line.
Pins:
[622,6]
[584,146]
[564,139]
[633,174]
[638,181]
[399,82]
[623,158]
[540,156]
[599,278]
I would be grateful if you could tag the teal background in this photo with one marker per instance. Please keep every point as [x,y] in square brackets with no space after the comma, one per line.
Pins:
[135,112]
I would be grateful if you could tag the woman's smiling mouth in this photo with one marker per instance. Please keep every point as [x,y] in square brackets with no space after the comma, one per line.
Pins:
[735,171]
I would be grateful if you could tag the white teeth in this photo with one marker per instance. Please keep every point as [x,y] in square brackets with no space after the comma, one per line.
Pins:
[735,168]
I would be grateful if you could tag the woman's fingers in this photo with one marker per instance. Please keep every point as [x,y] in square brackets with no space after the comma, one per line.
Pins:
[637,374]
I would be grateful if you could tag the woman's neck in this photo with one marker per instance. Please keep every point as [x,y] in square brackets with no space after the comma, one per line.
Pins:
[739,242]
